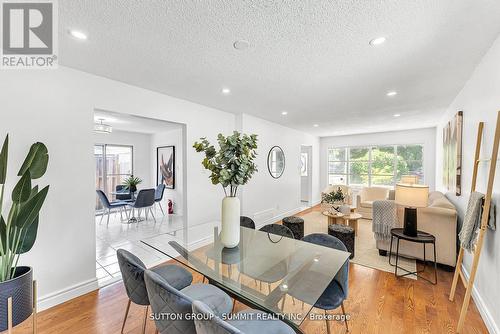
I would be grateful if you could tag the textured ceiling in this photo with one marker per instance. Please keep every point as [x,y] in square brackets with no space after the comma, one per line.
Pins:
[310,58]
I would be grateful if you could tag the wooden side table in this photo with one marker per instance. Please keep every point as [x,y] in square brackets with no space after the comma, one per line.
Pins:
[421,238]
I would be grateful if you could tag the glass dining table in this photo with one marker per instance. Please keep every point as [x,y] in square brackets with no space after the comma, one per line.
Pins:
[281,276]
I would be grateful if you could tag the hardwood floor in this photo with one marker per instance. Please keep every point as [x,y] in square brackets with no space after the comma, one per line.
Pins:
[378,303]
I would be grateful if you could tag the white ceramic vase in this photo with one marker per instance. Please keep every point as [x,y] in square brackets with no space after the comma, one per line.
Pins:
[230,232]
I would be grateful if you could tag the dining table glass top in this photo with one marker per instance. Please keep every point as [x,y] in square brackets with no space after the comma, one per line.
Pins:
[277,274]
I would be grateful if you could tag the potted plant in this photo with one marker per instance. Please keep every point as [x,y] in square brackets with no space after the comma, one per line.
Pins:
[333,199]
[131,184]
[18,231]
[231,166]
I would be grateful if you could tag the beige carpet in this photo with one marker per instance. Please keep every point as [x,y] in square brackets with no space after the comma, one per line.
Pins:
[366,253]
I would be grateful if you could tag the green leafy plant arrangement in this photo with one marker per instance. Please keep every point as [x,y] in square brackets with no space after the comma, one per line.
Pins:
[18,232]
[334,197]
[233,164]
[131,183]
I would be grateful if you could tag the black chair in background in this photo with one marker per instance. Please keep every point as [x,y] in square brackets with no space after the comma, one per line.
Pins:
[247,222]
[108,206]
[126,196]
[278,230]
[160,189]
[144,201]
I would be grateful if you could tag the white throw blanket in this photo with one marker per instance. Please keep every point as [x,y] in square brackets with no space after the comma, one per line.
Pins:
[384,219]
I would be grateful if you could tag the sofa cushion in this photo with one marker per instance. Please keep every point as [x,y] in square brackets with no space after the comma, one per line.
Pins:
[366,204]
[442,203]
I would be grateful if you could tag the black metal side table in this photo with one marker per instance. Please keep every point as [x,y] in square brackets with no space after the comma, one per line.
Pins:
[421,238]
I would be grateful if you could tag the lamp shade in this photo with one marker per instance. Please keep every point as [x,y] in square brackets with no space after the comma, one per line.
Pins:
[409,179]
[412,195]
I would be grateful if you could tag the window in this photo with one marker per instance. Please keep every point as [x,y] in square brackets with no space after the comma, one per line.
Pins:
[374,165]
[113,166]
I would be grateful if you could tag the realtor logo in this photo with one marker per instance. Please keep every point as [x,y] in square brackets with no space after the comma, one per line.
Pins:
[28,34]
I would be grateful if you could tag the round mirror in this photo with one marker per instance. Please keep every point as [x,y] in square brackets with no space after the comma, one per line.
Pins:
[276,162]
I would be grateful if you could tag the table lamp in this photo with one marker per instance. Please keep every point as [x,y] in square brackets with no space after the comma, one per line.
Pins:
[411,196]
[409,179]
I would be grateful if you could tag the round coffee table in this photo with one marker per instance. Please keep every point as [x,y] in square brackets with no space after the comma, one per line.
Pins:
[350,219]
[332,217]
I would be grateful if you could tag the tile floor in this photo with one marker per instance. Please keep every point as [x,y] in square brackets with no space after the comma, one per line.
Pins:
[118,234]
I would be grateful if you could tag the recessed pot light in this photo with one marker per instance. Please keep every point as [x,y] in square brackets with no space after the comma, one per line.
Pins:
[396,115]
[284,113]
[377,41]
[226,91]
[315,125]
[392,93]
[78,34]
[241,44]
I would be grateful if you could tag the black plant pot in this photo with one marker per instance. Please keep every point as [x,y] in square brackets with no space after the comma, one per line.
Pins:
[20,288]
[132,189]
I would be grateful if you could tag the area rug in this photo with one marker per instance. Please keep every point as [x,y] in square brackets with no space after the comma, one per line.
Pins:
[366,252]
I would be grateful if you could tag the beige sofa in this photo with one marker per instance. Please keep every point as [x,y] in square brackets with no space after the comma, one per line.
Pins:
[439,219]
[364,200]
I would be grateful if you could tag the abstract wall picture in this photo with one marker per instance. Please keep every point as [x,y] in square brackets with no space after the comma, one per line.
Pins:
[165,162]
[452,154]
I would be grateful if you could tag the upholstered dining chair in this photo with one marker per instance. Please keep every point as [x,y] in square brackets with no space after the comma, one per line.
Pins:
[160,189]
[337,291]
[109,206]
[247,222]
[277,229]
[145,200]
[278,271]
[122,193]
[207,322]
[132,270]
[165,298]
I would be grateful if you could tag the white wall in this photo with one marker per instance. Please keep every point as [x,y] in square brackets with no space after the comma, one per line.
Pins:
[267,199]
[426,136]
[56,107]
[142,152]
[171,138]
[480,101]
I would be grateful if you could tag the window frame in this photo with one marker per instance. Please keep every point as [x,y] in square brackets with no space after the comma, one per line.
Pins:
[347,161]
[105,174]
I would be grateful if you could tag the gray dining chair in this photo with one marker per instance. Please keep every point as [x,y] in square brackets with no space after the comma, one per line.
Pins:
[160,189]
[247,222]
[279,270]
[132,270]
[122,193]
[166,299]
[207,322]
[110,206]
[337,291]
[144,201]
[277,229]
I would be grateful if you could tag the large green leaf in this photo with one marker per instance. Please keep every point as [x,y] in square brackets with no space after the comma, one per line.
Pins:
[36,161]
[30,209]
[3,160]
[28,237]
[22,190]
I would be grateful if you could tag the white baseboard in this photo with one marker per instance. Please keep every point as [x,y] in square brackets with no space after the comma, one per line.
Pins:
[276,218]
[488,319]
[66,294]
